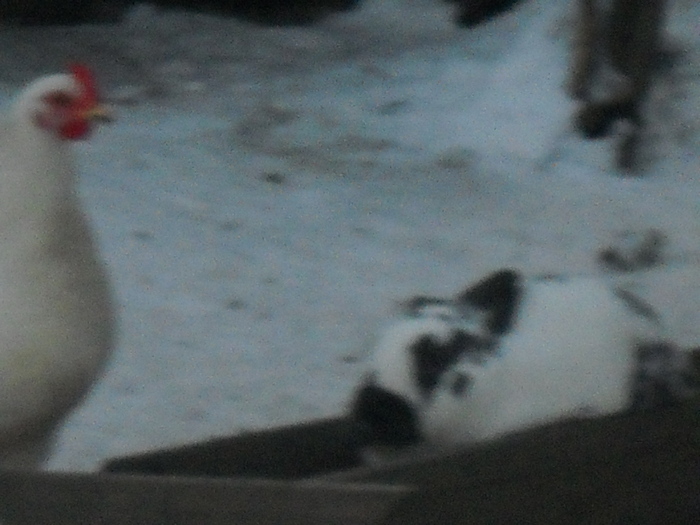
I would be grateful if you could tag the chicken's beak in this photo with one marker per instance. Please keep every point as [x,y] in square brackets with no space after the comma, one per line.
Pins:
[99,113]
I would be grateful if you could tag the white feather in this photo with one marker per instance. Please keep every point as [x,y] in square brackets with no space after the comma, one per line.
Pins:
[56,317]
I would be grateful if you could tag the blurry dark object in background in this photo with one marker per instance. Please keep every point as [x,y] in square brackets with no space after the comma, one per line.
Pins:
[265,12]
[268,12]
[618,49]
[473,12]
[61,12]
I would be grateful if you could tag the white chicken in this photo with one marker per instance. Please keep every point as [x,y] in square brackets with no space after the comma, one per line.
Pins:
[56,313]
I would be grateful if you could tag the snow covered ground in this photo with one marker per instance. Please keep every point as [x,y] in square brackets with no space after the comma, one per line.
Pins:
[267,194]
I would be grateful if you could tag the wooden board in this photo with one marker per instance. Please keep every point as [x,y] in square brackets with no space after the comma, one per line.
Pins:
[28,498]
[283,453]
[640,469]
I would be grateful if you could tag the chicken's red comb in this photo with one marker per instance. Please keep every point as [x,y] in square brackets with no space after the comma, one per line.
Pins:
[83,75]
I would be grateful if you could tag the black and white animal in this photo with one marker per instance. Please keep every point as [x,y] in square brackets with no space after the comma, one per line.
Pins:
[510,353]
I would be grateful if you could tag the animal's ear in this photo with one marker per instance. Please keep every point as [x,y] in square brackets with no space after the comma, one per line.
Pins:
[498,294]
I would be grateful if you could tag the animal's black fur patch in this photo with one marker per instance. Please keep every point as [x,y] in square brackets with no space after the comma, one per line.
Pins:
[380,417]
[477,317]
[499,294]
[432,358]
[460,385]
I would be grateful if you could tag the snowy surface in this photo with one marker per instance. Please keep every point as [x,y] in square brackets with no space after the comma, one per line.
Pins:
[267,194]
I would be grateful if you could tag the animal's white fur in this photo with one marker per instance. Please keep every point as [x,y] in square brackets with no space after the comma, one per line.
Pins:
[56,319]
[571,352]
